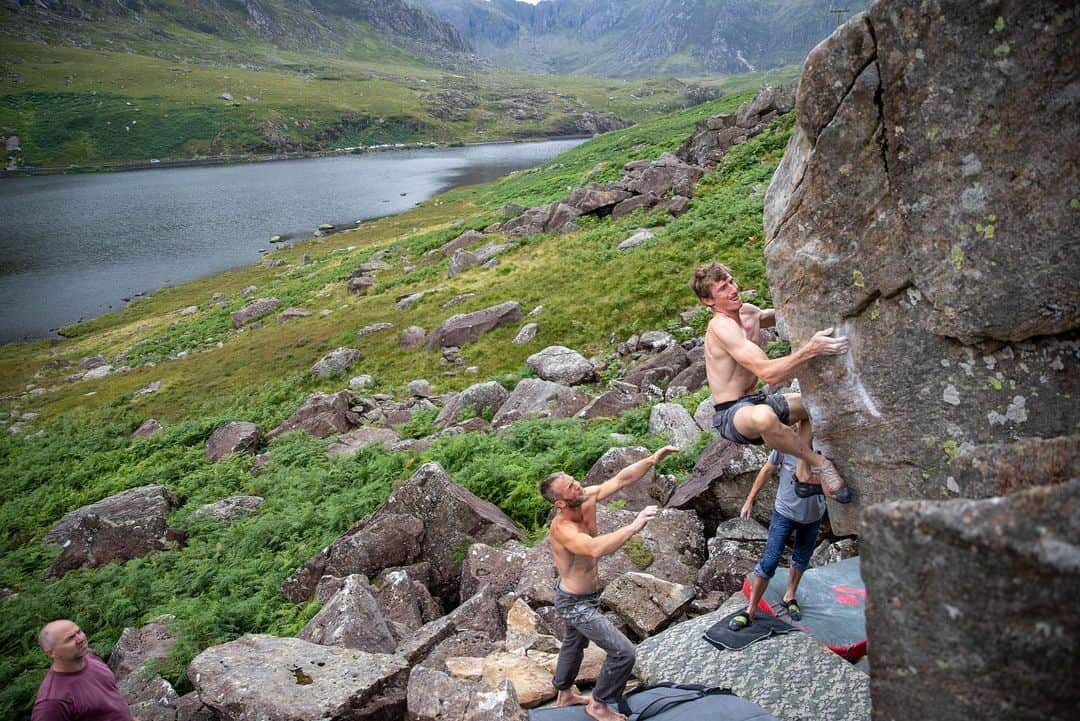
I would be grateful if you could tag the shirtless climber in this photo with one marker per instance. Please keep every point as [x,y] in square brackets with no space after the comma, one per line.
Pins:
[576,549]
[734,361]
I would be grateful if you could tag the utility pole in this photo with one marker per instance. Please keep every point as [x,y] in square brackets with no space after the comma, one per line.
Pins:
[838,12]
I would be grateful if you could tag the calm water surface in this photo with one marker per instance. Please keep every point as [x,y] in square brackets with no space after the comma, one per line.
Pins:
[73,246]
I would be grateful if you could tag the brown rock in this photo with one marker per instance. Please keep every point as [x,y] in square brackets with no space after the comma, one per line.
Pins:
[646,603]
[351,619]
[233,437]
[535,398]
[254,310]
[465,328]
[720,481]
[321,415]
[469,237]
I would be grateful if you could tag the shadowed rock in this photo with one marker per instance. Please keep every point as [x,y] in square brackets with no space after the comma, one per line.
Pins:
[621,397]
[648,490]
[321,415]
[663,366]
[233,437]
[436,696]
[480,399]
[720,481]
[352,619]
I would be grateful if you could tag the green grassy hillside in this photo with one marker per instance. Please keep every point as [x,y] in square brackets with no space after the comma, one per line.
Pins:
[224,583]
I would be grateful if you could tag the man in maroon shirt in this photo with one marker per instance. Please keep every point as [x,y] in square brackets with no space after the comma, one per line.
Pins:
[79,686]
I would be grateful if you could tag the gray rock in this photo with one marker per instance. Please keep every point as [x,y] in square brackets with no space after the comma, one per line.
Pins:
[555,217]
[462,261]
[138,646]
[526,334]
[469,237]
[613,402]
[831,552]
[127,525]
[640,237]
[425,518]
[248,291]
[419,388]
[261,677]
[321,415]
[231,508]
[594,198]
[730,560]
[233,437]
[673,422]
[980,647]
[663,366]
[480,399]
[628,206]
[361,284]
[791,676]
[374,328]
[720,481]
[292,313]
[645,602]
[465,328]
[436,696]
[715,136]
[561,365]
[412,337]
[704,414]
[405,602]
[689,380]
[535,398]
[148,428]
[358,438]
[667,174]
[647,491]
[335,362]
[909,246]
[351,619]
[97,372]
[254,310]
[499,568]
[92,362]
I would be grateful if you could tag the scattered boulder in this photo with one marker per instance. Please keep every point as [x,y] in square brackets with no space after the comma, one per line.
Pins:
[970,557]
[127,525]
[666,174]
[92,362]
[436,696]
[457,330]
[661,367]
[373,328]
[291,314]
[687,381]
[426,517]
[254,310]
[715,136]
[97,372]
[640,237]
[720,481]
[412,337]
[537,398]
[526,334]
[231,508]
[556,217]
[233,437]
[561,365]
[673,422]
[148,428]
[137,646]
[628,206]
[462,261]
[361,381]
[481,399]
[335,362]
[618,399]
[645,602]
[790,676]
[321,415]
[358,438]
[648,490]
[594,198]
[352,619]
[419,388]
[257,676]
[361,284]
[469,237]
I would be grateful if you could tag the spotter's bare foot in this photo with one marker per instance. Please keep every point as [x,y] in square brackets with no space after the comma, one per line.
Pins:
[600,711]
[570,697]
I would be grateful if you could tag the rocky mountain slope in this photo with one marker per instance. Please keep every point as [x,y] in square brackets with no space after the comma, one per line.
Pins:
[632,37]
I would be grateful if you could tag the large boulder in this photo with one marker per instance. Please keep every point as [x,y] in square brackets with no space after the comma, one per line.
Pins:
[320,415]
[118,528]
[335,362]
[482,399]
[351,619]
[649,490]
[662,176]
[554,217]
[924,192]
[791,676]
[254,310]
[469,237]
[137,646]
[358,438]
[991,628]
[645,602]
[405,601]
[718,485]
[675,424]
[733,552]
[232,437]
[426,518]
[499,568]
[615,401]
[595,198]
[436,696]
[663,366]
[535,398]
[286,679]
[561,365]
[457,330]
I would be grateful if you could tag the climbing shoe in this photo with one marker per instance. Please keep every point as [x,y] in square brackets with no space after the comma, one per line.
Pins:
[831,482]
[807,490]
[792,607]
[738,622]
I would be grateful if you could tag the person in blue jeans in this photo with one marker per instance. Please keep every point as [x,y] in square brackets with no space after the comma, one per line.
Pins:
[794,513]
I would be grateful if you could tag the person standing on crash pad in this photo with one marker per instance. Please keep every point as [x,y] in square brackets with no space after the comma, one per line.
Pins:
[792,514]
[576,547]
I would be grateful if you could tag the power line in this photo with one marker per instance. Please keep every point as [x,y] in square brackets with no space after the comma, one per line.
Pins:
[838,12]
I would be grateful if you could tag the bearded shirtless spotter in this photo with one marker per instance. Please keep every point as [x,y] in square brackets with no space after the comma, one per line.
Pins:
[734,361]
[576,549]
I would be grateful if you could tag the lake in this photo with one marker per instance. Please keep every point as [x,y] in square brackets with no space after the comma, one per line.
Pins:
[73,246]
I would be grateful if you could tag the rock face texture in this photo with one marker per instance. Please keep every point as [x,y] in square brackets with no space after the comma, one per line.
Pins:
[465,328]
[118,528]
[1004,568]
[921,211]
[282,679]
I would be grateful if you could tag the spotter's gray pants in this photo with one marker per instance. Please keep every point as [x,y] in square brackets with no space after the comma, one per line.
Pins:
[585,623]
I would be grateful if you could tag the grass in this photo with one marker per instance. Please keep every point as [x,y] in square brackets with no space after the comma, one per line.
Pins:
[224,582]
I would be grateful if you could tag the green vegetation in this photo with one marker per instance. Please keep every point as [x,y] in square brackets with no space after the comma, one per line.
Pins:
[225,581]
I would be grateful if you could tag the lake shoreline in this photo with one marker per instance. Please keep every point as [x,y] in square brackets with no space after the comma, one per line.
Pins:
[247,158]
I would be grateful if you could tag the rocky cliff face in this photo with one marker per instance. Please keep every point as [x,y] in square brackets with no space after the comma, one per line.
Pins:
[639,37]
[926,208]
